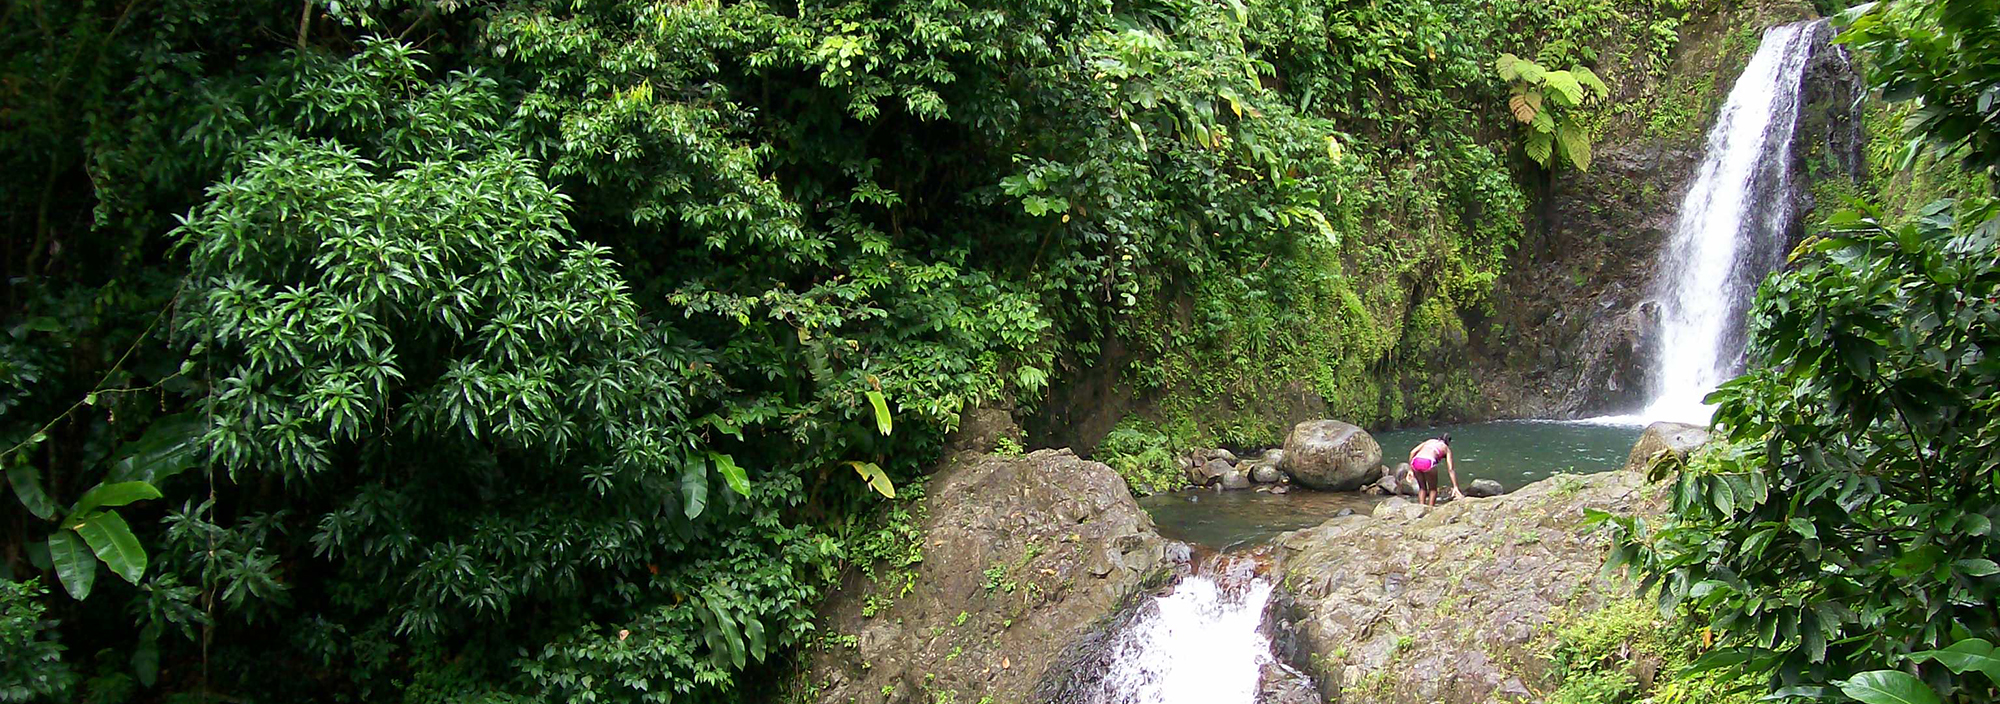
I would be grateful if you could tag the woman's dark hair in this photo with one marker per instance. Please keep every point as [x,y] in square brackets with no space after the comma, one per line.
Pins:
[1445,438]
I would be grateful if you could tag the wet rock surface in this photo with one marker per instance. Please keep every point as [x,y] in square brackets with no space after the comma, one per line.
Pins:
[1677,439]
[1484,488]
[1022,555]
[1450,604]
[1332,455]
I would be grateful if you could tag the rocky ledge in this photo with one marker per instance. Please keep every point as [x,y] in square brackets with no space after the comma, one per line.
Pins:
[1450,604]
[1022,555]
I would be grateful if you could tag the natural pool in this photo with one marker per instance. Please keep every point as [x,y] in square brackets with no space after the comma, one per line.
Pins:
[1515,453]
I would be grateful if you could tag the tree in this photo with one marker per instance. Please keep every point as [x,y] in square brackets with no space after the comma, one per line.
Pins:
[1540,99]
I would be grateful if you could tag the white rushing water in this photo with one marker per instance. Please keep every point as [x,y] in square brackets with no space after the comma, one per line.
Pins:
[1197,645]
[1731,227]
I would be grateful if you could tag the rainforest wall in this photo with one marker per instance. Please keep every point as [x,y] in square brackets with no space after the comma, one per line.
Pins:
[537,350]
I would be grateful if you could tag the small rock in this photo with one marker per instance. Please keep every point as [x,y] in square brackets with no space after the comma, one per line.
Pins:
[1224,455]
[1281,489]
[1484,488]
[1275,456]
[1265,474]
[1208,473]
[1343,513]
[1235,479]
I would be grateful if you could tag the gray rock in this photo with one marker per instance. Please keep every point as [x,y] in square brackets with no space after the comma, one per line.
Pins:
[1224,455]
[1235,479]
[1426,606]
[1400,481]
[1208,473]
[1677,439]
[1068,534]
[1331,455]
[1266,474]
[1484,487]
[1275,456]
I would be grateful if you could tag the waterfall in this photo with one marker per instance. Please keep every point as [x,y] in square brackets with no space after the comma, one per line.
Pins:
[1731,229]
[1201,643]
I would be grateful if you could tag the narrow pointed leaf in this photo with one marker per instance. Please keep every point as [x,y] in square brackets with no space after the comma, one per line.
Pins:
[876,478]
[738,480]
[881,404]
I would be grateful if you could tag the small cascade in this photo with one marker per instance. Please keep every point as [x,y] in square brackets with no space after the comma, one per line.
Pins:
[1731,229]
[1200,643]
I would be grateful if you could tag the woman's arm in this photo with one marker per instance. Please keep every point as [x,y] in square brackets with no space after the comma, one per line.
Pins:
[1452,465]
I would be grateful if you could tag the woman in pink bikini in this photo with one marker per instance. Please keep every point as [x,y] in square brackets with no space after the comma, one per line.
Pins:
[1424,459]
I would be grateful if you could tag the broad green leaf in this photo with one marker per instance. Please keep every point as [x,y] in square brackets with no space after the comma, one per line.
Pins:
[876,478]
[170,446]
[74,564]
[1590,80]
[753,630]
[146,657]
[1506,67]
[1565,88]
[1975,524]
[1977,567]
[1540,146]
[27,483]
[108,495]
[882,421]
[1576,145]
[694,487]
[112,540]
[1543,122]
[1888,687]
[731,474]
[1964,656]
[1529,71]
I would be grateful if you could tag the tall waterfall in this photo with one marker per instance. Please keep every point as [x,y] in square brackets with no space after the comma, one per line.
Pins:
[1199,644]
[1731,229]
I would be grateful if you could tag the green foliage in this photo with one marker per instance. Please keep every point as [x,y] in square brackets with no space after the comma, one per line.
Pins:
[1538,98]
[1941,55]
[1845,520]
[33,668]
[440,327]
[1143,456]
[1595,658]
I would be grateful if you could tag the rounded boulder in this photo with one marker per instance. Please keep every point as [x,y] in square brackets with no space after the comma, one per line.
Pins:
[1332,456]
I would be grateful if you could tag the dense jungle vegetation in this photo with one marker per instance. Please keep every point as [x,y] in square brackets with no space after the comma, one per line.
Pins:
[529,350]
[564,351]
[1838,536]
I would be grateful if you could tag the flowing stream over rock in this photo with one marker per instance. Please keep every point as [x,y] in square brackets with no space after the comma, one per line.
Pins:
[1202,642]
[1731,229]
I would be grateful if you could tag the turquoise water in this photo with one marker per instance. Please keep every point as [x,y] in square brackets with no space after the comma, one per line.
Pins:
[1515,453]
[1520,452]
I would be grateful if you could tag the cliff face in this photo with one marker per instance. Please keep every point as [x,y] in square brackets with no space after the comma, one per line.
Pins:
[1572,333]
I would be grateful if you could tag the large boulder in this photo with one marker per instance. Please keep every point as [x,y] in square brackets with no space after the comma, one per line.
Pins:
[1453,604]
[1677,439]
[1021,555]
[1332,456]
